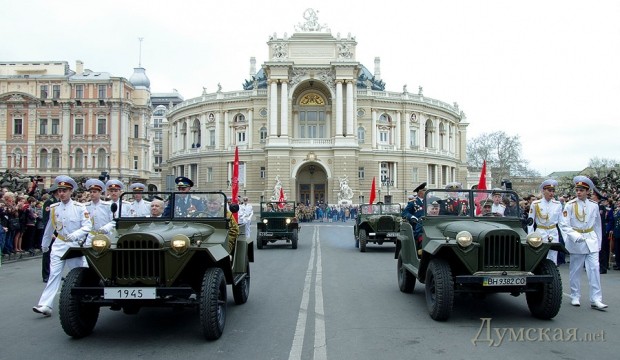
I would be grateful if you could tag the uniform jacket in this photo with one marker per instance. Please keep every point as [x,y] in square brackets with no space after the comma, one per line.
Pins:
[140,208]
[545,215]
[70,218]
[581,220]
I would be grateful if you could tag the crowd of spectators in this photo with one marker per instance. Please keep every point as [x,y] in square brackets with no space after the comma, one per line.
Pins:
[21,226]
[326,213]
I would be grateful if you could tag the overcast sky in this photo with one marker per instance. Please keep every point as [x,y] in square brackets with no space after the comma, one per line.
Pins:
[548,71]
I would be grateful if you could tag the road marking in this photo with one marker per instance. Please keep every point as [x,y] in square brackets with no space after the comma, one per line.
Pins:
[320,351]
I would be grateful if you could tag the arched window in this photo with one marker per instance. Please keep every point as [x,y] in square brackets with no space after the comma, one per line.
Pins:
[428,134]
[361,134]
[442,136]
[239,118]
[101,160]
[263,134]
[17,156]
[43,159]
[196,133]
[79,159]
[183,135]
[55,159]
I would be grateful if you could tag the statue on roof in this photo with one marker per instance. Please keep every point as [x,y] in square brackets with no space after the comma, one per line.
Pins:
[312,22]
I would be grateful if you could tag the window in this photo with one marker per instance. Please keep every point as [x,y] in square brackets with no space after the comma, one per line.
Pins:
[428,135]
[239,118]
[263,134]
[79,159]
[196,133]
[209,174]
[79,91]
[211,137]
[241,137]
[101,160]
[136,131]
[432,176]
[158,135]
[413,138]
[79,127]
[44,91]
[361,172]
[361,134]
[193,173]
[102,91]
[55,91]
[17,127]
[158,148]
[55,159]
[43,159]
[312,124]
[101,126]
[444,175]
[42,126]
[414,175]
[55,126]
[442,136]
[384,136]
[262,172]
[135,163]
[387,171]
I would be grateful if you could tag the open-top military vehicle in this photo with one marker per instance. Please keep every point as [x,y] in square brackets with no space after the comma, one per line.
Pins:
[468,249]
[377,223]
[278,221]
[178,260]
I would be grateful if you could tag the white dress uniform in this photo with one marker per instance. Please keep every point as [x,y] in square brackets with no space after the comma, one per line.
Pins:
[546,215]
[101,218]
[581,228]
[69,223]
[246,212]
[140,208]
[498,208]
[126,208]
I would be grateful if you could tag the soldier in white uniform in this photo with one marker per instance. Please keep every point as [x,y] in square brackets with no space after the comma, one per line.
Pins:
[139,206]
[581,228]
[113,190]
[69,224]
[545,214]
[498,206]
[246,212]
[99,210]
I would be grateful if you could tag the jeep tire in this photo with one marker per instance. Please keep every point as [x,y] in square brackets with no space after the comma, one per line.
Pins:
[406,280]
[546,302]
[77,319]
[439,289]
[294,238]
[363,240]
[213,303]
[241,291]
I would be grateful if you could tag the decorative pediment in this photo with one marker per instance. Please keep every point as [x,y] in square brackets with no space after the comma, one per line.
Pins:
[18,98]
[312,99]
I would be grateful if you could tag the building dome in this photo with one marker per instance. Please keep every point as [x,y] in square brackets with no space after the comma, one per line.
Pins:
[139,78]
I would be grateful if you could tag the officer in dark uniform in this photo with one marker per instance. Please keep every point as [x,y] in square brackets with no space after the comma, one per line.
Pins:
[45,260]
[184,204]
[415,206]
[453,205]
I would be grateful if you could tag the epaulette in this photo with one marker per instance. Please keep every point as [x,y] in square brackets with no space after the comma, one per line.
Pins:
[502,205]
[55,204]
[555,201]
[88,203]
[536,201]
[572,201]
[593,201]
[78,204]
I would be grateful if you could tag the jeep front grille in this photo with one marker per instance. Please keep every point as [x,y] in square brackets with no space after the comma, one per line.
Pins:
[138,260]
[385,223]
[276,225]
[501,252]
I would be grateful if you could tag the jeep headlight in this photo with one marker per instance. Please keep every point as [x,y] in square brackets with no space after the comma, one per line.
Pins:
[265,221]
[100,243]
[179,243]
[288,221]
[464,238]
[534,239]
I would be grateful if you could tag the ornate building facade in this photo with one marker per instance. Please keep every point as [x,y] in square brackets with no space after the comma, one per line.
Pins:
[311,117]
[54,120]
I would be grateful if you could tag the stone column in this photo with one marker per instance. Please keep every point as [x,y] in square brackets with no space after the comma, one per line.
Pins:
[226,131]
[373,129]
[284,108]
[250,127]
[397,141]
[350,118]
[273,108]
[338,108]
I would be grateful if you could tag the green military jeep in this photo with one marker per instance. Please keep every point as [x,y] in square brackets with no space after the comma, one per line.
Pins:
[177,260]
[468,248]
[278,221]
[377,223]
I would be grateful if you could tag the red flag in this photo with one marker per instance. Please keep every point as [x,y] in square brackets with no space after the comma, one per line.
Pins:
[235,182]
[482,185]
[373,189]
[281,199]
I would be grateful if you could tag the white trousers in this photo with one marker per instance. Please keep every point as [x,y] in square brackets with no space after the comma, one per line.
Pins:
[53,282]
[592,270]
[553,256]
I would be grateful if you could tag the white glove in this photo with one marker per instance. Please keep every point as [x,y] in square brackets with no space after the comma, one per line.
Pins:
[580,240]
[103,230]
[45,249]
[70,237]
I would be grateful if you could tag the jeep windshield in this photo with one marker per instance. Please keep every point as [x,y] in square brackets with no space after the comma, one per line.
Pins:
[379,209]
[472,203]
[172,205]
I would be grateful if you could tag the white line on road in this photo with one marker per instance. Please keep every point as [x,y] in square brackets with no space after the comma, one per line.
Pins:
[320,351]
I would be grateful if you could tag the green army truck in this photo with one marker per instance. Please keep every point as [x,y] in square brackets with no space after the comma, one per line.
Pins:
[377,223]
[181,260]
[477,252]
[278,222]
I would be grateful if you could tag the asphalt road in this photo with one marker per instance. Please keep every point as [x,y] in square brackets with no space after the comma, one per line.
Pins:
[325,300]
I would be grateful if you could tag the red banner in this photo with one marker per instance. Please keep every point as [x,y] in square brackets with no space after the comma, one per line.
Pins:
[281,204]
[373,189]
[482,185]
[235,182]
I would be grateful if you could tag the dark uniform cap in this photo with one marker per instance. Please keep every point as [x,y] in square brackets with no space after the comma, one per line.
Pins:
[422,186]
[182,181]
[486,202]
[52,188]
[95,184]
[137,187]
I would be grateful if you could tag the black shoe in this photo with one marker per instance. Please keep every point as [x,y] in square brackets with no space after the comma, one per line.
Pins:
[603,271]
[44,280]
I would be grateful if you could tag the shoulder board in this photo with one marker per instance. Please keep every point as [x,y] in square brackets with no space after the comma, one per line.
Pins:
[105,202]
[88,203]
[126,202]
[79,204]
[572,201]
[592,201]
[535,201]
[555,201]
[502,205]
[54,204]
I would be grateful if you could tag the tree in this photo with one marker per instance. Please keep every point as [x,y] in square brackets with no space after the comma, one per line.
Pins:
[502,153]
[604,173]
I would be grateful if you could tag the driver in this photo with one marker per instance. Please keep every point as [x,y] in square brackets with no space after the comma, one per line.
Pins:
[215,208]
[486,205]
